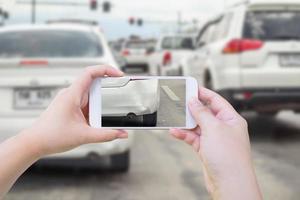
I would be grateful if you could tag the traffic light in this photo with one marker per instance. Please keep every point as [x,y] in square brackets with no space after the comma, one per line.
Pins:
[93,4]
[106,6]
[131,21]
[140,22]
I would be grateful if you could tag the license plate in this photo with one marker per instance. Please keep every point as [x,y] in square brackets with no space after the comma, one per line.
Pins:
[291,60]
[33,98]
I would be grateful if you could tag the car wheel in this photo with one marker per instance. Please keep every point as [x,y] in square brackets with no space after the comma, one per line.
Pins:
[150,120]
[145,69]
[158,71]
[180,71]
[120,162]
[208,82]
[123,68]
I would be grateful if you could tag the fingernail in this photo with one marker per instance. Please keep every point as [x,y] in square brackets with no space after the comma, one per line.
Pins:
[123,135]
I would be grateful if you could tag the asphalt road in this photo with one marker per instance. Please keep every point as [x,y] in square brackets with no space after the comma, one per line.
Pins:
[163,168]
[171,112]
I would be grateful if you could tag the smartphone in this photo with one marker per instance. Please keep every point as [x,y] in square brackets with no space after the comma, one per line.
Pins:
[142,102]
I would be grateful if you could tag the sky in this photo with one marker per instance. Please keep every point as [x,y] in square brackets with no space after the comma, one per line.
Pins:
[160,16]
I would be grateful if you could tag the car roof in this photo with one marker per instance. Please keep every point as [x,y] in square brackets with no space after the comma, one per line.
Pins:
[61,26]
[263,3]
[257,2]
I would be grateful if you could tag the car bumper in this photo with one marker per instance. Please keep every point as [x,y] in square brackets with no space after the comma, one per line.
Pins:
[170,70]
[11,126]
[136,60]
[103,149]
[264,100]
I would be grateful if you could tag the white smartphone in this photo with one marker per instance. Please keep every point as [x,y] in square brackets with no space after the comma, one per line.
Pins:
[142,102]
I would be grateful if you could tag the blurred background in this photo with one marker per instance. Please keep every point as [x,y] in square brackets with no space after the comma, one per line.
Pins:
[248,51]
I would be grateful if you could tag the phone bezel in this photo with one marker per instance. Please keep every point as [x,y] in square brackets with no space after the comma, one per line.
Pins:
[95,102]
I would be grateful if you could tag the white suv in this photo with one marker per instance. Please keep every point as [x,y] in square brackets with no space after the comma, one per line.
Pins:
[251,55]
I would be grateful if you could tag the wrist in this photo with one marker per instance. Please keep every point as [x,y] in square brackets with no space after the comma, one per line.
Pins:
[241,184]
[31,144]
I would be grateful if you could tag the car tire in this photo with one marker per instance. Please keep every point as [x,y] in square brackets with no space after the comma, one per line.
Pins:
[158,71]
[145,68]
[180,71]
[208,81]
[123,69]
[150,120]
[120,162]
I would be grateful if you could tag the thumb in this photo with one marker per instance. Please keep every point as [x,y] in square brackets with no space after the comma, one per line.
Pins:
[105,135]
[201,113]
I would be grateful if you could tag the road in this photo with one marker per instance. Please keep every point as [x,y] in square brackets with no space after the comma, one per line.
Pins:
[163,168]
[171,111]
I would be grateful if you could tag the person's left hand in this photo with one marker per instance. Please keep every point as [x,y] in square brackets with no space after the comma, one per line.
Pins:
[63,126]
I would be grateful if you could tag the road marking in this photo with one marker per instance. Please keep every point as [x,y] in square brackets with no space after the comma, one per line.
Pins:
[170,93]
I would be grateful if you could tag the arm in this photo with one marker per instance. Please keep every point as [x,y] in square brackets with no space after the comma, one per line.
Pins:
[222,142]
[62,127]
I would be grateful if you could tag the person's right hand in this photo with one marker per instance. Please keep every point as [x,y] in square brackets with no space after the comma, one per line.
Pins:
[222,142]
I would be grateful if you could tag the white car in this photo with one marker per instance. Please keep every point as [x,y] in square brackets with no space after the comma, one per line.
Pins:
[251,55]
[170,49]
[37,61]
[136,52]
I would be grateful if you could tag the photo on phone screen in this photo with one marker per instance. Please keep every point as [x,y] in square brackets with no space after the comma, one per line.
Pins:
[143,102]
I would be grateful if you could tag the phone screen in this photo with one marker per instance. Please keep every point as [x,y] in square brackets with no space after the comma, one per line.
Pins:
[133,102]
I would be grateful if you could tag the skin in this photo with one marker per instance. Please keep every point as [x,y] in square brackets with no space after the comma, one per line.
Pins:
[222,142]
[221,138]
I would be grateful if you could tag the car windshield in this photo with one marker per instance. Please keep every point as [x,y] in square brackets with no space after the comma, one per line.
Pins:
[49,44]
[272,25]
[177,43]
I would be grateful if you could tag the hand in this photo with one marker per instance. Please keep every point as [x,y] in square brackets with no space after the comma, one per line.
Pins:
[222,142]
[63,126]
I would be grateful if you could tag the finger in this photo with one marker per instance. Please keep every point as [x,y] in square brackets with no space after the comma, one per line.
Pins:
[189,137]
[185,135]
[83,83]
[177,133]
[216,102]
[104,135]
[202,114]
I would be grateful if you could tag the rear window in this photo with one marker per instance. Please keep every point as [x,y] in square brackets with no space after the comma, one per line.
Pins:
[139,45]
[272,25]
[50,43]
[177,43]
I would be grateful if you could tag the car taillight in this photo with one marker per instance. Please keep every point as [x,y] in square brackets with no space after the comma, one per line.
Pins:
[126,52]
[34,62]
[167,59]
[241,45]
